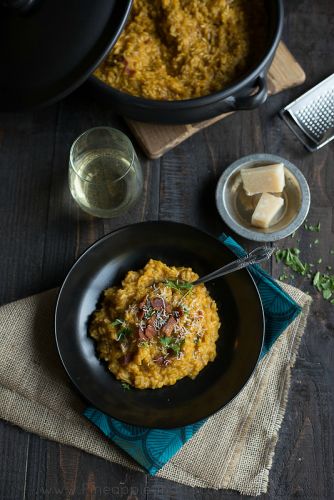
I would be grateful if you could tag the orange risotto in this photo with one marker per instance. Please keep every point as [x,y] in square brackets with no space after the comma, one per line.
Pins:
[180,49]
[156,328]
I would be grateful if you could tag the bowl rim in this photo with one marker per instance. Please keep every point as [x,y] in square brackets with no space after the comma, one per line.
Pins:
[258,235]
[100,241]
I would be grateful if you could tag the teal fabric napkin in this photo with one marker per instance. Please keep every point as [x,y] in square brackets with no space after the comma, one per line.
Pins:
[152,448]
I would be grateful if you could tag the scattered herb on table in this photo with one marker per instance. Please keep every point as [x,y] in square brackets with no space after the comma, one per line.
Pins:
[312,228]
[290,257]
[324,283]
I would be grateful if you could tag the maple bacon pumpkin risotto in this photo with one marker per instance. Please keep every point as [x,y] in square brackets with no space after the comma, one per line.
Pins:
[181,49]
[156,328]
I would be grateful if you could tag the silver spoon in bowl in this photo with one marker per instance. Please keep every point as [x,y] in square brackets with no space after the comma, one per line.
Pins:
[254,257]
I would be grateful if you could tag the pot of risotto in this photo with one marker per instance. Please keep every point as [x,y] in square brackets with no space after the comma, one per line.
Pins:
[182,61]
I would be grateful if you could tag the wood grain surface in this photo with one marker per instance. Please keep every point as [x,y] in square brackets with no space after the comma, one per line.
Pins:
[155,140]
[42,232]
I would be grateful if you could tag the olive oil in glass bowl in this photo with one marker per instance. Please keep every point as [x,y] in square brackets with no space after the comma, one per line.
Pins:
[105,175]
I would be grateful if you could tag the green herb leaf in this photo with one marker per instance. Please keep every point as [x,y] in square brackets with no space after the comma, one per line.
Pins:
[326,294]
[126,386]
[117,322]
[311,228]
[316,279]
[185,309]
[122,333]
[179,285]
[171,343]
[166,341]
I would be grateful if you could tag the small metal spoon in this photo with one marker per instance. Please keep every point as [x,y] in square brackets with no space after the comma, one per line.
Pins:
[254,257]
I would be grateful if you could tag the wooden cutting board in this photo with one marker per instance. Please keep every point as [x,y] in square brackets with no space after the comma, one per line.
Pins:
[156,139]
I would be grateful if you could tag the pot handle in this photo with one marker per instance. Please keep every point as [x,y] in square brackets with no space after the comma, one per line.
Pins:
[250,101]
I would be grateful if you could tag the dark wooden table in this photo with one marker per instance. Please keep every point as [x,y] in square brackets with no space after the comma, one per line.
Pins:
[42,232]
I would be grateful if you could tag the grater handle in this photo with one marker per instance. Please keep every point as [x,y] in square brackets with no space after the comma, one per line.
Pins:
[251,101]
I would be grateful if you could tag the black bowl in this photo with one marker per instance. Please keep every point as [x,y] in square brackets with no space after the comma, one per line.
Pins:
[249,92]
[105,263]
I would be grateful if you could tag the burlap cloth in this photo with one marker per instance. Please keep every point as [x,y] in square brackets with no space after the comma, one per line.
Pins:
[234,448]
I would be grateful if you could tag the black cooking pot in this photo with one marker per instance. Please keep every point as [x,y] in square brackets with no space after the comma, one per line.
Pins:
[247,93]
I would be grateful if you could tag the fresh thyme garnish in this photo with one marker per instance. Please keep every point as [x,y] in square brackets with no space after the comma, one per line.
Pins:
[312,228]
[123,332]
[179,285]
[126,386]
[185,309]
[117,322]
[171,343]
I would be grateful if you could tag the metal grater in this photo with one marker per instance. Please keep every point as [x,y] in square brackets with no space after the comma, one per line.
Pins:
[311,116]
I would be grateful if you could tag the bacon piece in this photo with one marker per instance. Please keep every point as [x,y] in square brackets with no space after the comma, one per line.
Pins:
[141,304]
[178,312]
[141,334]
[169,326]
[150,331]
[168,308]
[159,360]
[140,314]
[127,358]
[157,303]
[151,320]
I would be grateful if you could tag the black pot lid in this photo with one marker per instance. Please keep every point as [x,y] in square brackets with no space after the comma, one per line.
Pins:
[49,47]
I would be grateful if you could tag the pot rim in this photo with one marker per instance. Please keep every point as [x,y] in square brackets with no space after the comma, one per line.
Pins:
[232,90]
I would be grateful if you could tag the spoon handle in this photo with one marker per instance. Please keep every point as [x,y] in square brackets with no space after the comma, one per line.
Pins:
[254,257]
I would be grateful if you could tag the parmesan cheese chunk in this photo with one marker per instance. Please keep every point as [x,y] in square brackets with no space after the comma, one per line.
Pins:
[266,209]
[266,179]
